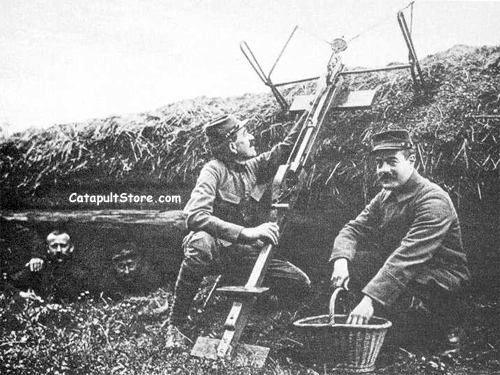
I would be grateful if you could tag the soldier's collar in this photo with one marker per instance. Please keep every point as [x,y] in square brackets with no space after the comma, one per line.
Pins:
[238,166]
[409,189]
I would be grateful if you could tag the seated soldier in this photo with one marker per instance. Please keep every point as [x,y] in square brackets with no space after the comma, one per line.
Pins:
[126,263]
[413,225]
[57,278]
[228,218]
[132,273]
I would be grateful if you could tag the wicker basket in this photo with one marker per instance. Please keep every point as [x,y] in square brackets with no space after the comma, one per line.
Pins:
[350,347]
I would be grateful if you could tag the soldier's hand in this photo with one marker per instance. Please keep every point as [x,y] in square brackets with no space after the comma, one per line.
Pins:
[35,264]
[340,272]
[361,313]
[267,232]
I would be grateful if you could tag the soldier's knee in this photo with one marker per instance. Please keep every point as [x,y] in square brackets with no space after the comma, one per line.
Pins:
[301,279]
[297,283]
[307,281]
[199,245]
[303,282]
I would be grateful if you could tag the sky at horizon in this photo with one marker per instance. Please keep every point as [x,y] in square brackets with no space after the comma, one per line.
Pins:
[71,61]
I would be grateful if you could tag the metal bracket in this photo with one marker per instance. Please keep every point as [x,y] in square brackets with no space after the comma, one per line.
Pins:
[413,65]
[416,72]
[245,48]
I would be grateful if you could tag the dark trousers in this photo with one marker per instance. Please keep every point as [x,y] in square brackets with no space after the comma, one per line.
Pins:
[205,255]
[423,314]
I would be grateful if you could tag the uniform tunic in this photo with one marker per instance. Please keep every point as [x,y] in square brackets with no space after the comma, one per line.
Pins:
[228,197]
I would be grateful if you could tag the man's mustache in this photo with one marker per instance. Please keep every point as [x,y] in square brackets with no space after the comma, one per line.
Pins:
[60,256]
[385,176]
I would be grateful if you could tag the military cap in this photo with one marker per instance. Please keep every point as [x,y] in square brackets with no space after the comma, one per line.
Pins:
[397,139]
[222,128]
[124,251]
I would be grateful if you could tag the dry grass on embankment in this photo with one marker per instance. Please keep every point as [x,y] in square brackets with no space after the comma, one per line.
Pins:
[456,122]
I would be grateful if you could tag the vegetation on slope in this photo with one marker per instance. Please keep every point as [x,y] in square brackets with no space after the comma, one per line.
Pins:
[456,122]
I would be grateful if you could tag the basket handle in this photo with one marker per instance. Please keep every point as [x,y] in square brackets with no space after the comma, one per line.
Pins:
[333,299]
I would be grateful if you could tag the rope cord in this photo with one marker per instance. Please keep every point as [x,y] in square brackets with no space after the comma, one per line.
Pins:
[315,36]
[410,5]
[382,20]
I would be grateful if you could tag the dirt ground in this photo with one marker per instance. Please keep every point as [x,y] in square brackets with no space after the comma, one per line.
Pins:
[97,335]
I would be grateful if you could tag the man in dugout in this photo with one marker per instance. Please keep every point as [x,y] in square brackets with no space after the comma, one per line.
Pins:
[50,274]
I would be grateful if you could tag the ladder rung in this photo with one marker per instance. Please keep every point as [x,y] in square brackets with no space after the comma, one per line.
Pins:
[371,70]
[242,290]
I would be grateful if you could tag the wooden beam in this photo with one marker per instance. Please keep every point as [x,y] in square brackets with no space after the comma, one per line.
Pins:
[174,218]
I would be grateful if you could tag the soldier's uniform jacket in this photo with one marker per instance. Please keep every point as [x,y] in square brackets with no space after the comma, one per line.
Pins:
[55,281]
[231,196]
[419,235]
